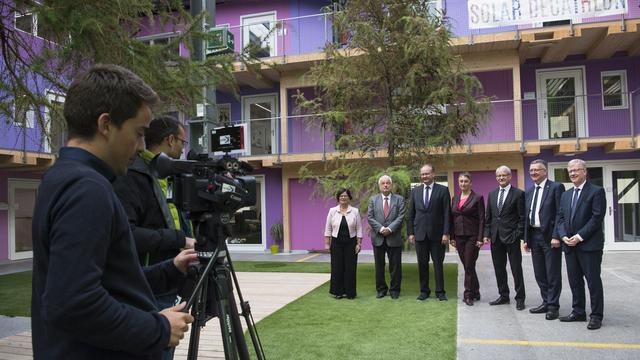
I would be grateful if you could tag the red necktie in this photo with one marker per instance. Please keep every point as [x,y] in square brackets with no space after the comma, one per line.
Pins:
[385,209]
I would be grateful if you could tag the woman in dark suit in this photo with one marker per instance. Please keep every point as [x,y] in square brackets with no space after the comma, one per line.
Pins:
[467,214]
[343,237]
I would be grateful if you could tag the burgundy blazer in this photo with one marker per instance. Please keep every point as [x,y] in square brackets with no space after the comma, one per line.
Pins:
[468,220]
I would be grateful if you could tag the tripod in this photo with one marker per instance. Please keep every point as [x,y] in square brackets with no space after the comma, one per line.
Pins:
[213,278]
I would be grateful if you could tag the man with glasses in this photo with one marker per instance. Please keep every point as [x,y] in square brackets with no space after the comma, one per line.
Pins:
[504,228]
[579,226]
[158,228]
[542,202]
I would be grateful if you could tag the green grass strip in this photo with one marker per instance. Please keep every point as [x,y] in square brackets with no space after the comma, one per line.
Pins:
[15,292]
[316,326]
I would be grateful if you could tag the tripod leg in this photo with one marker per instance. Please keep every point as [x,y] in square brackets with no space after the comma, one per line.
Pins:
[241,344]
[199,320]
[229,339]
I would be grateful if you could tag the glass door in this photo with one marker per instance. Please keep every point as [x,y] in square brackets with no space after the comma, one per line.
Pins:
[626,206]
[258,34]
[561,104]
[260,113]
[248,233]
[22,200]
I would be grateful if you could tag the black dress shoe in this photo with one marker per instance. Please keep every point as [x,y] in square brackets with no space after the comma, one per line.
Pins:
[477,297]
[338,297]
[468,301]
[422,296]
[573,317]
[519,304]
[594,324]
[441,297]
[381,294]
[540,309]
[394,295]
[552,314]
[500,301]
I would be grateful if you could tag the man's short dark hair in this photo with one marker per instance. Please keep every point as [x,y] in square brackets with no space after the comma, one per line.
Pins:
[160,128]
[109,89]
[540,161]
[342,191]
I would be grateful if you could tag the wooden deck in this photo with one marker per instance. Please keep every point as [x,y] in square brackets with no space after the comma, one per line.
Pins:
[265,292]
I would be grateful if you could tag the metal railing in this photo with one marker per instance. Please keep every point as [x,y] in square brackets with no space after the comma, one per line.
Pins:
[508,121]
[309,33]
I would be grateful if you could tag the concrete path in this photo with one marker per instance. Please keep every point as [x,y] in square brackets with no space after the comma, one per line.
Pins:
[265,292]
[502,332]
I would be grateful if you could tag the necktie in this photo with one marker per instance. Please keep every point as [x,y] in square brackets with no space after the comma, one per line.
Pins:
[574,201]
[533,208]
[385,207]
[500,201]
[426,196]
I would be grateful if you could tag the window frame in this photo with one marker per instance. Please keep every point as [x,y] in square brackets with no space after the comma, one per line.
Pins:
[274,34]
[150,39]
[624,91]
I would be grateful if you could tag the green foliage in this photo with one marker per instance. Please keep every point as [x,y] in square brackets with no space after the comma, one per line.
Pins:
[395,90]
[81,33]
[277,232]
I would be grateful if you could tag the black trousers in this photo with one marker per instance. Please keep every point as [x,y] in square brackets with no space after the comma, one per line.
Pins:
[344,261]
[468,253]
[499,254]
[395,267]
[583,265]
[435,249]
[547,268]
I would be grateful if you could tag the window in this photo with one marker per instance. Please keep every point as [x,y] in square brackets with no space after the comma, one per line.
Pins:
[27,20]
[23,115]
[162,40]
[258,35]
[614,89]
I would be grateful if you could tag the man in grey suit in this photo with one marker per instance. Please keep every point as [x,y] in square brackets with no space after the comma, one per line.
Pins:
[385,214]
[428,227]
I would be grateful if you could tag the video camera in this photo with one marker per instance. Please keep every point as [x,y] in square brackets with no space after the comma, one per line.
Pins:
[205,185]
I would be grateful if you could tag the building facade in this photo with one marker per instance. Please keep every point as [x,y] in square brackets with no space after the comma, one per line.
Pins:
[564,78]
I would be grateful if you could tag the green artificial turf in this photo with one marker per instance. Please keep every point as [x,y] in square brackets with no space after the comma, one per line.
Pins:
[317,326]
[277,266]
[15,292]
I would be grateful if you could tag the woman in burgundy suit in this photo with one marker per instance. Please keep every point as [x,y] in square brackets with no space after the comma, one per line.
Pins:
[467,214]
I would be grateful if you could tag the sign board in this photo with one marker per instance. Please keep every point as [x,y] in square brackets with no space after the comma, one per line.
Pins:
[496,13]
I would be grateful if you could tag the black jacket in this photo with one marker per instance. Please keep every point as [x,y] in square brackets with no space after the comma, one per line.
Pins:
[506,225]
[90,297]
[434,221]
[149,217]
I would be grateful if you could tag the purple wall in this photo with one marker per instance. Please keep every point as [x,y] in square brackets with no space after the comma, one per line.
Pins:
[308,216]
[302,136]
[499,127]
[601,122]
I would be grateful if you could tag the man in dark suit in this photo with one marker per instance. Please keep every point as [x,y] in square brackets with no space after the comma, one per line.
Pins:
[428,228]
[385,215]
[504,228]
[542,202]
[579,225]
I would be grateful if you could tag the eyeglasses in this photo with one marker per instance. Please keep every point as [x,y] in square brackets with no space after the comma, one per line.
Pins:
[184,142]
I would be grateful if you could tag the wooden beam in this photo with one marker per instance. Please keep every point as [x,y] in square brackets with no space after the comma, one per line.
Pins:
[559,51]
[495,60]
[634,49]
[284,119]
[626,145]
[570,148]
[599,46]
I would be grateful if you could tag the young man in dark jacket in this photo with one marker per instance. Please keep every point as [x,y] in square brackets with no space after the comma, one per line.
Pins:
[157,234]
[155,224]
[90,297]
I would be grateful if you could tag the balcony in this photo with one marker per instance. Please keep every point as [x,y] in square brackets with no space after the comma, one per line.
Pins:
[565,124]
[293,44]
